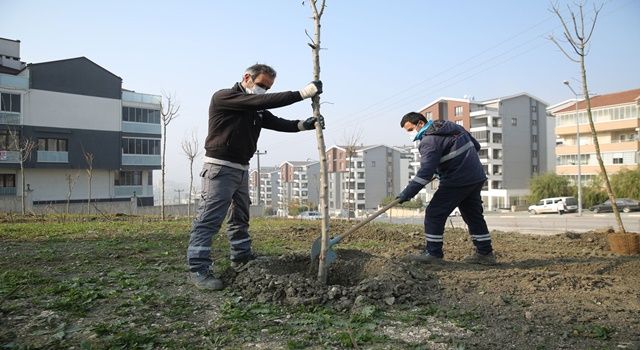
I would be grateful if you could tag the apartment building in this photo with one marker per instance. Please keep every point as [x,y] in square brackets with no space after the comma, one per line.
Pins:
[360,177]
[268,185]
[517,142]
[299,184]
[448,108]
[617,123]
[79,117]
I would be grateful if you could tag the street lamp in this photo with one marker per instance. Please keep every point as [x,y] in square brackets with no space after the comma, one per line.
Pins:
[566,82]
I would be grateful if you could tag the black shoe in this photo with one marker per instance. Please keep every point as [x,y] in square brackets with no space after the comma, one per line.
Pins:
[477,258]
[425,258]
[205,280]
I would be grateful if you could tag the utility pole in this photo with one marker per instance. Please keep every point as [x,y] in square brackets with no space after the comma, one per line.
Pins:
[179,191]
[258,153]
[566,82]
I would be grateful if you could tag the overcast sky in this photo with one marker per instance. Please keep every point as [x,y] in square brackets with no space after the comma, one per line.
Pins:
[381,58]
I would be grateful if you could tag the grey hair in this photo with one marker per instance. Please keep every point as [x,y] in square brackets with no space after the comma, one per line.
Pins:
[258,69]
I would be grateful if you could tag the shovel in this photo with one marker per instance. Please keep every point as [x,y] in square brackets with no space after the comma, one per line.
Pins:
[331,255]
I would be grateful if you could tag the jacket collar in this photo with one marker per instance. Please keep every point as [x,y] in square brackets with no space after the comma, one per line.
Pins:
[422,131]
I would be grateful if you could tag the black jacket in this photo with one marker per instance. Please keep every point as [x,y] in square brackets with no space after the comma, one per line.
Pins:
[236,118]
[448,150]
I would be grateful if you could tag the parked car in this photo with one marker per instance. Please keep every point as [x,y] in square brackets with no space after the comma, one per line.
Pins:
[624,204]
[554,205]
[310,215]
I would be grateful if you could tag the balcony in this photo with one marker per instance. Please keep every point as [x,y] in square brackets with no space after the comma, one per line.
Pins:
[53,157]
[7,191]
[14,81]
[128,191]
[141,128]
[141,159]
[7,157]
[10,118]
[131,96]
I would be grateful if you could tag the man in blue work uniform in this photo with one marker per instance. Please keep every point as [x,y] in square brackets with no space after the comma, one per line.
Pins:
[236,117]
[448,150]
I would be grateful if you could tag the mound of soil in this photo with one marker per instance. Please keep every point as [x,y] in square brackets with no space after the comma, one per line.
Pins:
[355,278]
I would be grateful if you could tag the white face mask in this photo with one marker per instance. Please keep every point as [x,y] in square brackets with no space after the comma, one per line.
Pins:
[412,135]
[256,90]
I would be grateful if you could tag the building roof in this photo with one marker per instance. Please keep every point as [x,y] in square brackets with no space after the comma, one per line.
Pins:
[616,98]
[300,163]
[7,70]
[444,99]
[72,59]
[498,99]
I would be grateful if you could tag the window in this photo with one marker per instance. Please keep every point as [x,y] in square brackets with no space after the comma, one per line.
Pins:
[534,154]
[460,122]
[496,122]
[140,115]
[128,178]
[428,115]
[496,185]
[497,154]
[7,141]
[7,180]
[534,109]
[361,185]
[458,111]
[140,146]
[483,153]
[618,160]
[514,121]
[53,145]
[497,137]
[534,138]
[534,122]
[534,168]
[373,163]
[360,196]
[481,136]
[497,169]
[9,102]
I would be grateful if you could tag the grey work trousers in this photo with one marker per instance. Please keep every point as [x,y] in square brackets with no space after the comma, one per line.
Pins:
[222,187]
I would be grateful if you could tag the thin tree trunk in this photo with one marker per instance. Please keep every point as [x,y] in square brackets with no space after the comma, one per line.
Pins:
[596,144]
[24,187]
[164,151]
[324,187]
[190,187]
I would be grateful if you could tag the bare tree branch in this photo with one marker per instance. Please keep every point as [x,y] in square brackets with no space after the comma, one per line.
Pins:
[191,149]
[168,112]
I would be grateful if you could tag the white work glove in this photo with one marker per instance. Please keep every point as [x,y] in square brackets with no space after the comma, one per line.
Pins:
[312,89]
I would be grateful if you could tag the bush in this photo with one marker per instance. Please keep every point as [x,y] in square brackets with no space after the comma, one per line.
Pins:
[626,183]
[548,185]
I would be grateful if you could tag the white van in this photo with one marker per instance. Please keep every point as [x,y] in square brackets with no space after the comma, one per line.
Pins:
[554,205]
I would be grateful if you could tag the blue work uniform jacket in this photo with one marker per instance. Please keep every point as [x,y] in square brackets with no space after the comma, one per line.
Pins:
[448,150]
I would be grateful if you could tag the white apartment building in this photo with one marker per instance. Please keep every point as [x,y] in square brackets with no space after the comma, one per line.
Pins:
[360,177]
[299,184]
[268,184]
[71,109]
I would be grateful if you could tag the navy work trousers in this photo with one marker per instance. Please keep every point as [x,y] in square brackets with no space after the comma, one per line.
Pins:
[444,201]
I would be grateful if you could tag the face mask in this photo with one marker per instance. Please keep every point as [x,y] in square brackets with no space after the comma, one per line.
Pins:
[256,90]
[412,135]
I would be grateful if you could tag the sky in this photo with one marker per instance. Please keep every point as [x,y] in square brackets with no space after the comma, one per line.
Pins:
[380,59]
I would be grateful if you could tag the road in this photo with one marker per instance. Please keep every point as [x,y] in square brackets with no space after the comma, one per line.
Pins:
[524,222]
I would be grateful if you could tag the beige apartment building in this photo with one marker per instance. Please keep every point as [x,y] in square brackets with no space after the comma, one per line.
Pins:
[617,123]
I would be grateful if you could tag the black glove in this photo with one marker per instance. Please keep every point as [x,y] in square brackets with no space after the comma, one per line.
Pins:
[403,197]
[312,89]
[310,123]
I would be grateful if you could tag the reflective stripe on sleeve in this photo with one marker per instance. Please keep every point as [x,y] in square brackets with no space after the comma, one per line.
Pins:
[457,152]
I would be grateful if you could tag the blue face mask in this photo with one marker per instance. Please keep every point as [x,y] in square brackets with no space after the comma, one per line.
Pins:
[421,132]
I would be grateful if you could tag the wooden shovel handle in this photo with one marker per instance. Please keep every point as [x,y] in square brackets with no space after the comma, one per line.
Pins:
[369,218]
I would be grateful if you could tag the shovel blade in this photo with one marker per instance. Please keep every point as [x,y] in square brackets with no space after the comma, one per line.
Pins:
[316,248]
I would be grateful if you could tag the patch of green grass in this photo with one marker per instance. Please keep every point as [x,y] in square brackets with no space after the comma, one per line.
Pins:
[76,296]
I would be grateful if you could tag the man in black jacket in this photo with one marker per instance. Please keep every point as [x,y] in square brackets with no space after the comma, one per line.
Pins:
[448,150]
[236,117]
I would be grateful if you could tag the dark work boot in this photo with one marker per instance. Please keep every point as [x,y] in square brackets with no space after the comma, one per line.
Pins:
[424,258]
[240,262]
[205,280]
[480,259]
